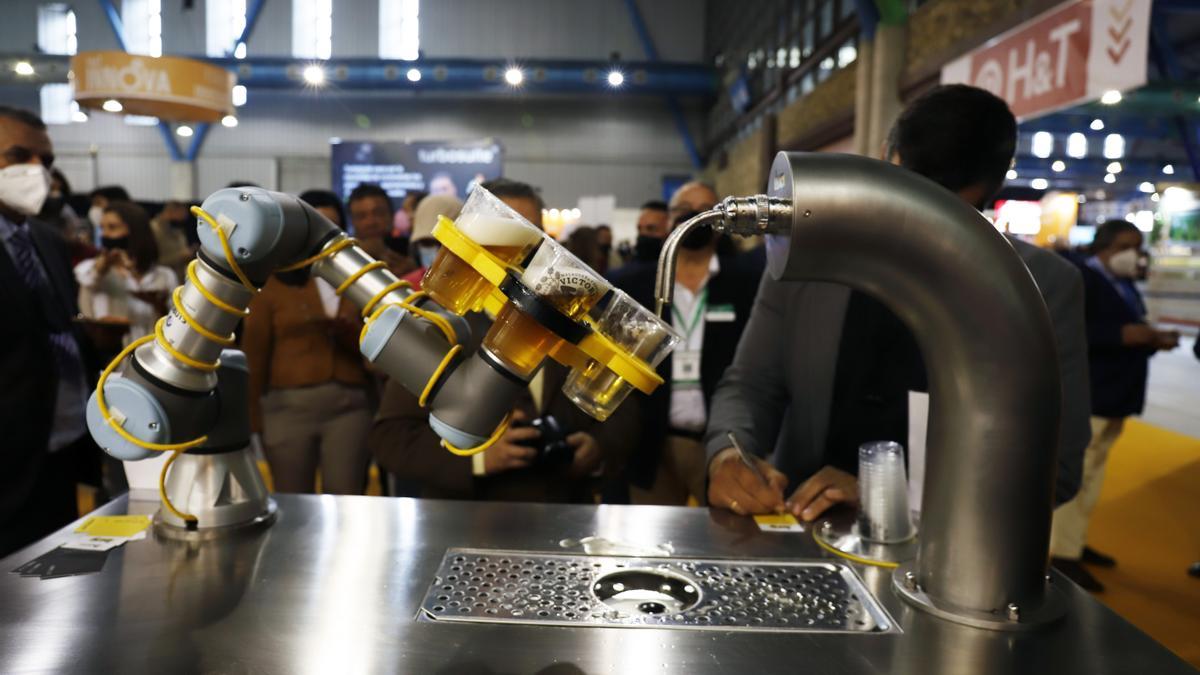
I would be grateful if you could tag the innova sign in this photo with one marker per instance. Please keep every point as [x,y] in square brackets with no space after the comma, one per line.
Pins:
[167,87]
[1069,54]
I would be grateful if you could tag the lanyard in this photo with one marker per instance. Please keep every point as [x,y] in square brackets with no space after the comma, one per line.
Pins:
[697,316]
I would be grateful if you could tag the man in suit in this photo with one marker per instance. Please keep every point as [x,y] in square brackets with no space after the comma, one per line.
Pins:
[823,369]
[42,364]
[714,291]
[1120,344]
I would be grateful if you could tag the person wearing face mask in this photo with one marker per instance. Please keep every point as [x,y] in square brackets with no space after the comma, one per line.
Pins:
[101,197]
[124,284]
[1120,344]
[652,227]
[714,291]
[57,211]
[47,364]
[422,246]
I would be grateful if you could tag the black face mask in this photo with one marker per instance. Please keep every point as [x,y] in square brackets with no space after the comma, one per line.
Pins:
[294,277]
[113,243]
[52,207]
[647,247]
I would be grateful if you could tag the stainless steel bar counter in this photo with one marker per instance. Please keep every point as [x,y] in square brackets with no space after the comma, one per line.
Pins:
[336,585]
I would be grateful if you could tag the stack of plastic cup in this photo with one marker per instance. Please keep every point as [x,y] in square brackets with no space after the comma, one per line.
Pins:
[883,516]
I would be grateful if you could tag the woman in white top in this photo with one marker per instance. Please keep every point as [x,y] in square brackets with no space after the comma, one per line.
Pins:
[125,283]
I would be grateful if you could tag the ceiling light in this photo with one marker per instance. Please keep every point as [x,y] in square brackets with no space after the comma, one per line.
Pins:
[112,105]
[1146,186]
[1039,183]
[184,131]
[1043,144]
[1011,175]
[239,95]
[314,75]
[1114,167]
[1111,97]
[239,52]
[1058,165]
[1077,145]
[514,77]
[615,78]
[1114,146]
[78,116]
[229,121]
[414,75]
[1154,197]
[1168,169]
[1110,178]
[1097,124]
[1081,198]
[23,68]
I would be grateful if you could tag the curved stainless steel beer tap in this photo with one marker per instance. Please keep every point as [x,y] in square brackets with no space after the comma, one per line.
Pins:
[986,337]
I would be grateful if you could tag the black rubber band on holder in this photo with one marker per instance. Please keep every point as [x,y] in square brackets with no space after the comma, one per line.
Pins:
[550,317]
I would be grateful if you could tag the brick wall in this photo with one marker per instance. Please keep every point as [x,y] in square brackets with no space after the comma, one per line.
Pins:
[827,103]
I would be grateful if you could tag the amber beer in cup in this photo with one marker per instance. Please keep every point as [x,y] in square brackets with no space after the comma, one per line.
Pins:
[597,390]
[489,222]
[562,280]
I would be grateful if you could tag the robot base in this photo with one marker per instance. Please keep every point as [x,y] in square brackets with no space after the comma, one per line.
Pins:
[225,491]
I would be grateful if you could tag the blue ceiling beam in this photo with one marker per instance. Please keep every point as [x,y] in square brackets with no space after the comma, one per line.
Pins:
[643,33]
[437,75]
[118,29]
[1168,64]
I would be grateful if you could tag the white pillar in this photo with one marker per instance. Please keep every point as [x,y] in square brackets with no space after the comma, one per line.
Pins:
[183,180]
[887,67]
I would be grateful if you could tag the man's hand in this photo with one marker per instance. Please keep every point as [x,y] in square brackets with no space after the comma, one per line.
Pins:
[822,490]
[732,485]
[1166,340]
[505,454]
[1137,335]
[587,453]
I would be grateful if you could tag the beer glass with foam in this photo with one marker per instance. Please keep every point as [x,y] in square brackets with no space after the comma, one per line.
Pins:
[502,232]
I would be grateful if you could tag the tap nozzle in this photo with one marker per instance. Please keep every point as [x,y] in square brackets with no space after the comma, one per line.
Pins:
[746,216]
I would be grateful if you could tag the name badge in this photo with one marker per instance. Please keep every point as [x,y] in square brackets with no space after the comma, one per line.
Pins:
[685,367]
[720,314]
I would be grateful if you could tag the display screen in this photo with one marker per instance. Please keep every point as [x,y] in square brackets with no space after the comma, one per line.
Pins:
[436,167]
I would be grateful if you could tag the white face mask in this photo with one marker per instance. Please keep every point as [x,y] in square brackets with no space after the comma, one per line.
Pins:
[1124,264]
[95,213]
[23,187]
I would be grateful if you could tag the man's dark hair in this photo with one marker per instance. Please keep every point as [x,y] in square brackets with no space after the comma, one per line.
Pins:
[327,199]
[113,193]
[417,197]
[142,246]
[23,116]
[506,187]
[957,136]
[654,205]
[1108,232]
[365,190]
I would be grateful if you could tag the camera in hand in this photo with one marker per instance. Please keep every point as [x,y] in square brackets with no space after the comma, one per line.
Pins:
[551,444]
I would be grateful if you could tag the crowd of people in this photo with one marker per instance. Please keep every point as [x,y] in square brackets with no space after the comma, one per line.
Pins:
[801,373]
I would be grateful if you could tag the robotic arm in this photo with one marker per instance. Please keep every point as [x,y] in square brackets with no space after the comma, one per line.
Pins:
[182,390]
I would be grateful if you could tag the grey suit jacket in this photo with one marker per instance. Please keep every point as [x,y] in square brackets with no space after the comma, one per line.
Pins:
[776,395]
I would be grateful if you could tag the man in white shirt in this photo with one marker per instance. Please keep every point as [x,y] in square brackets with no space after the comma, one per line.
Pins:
[714,291]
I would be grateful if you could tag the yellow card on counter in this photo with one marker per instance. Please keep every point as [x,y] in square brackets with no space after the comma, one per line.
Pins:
[114,526]
[778,522]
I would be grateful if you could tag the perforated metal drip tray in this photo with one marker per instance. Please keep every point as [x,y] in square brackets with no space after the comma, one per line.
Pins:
[489,586]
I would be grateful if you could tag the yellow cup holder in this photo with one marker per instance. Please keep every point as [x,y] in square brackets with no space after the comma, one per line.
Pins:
[580,345]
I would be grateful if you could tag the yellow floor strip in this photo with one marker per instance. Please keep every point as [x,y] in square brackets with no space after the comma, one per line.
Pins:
[1148,518]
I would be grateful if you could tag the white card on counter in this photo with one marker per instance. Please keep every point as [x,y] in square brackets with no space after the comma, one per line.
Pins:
[778,522]
[685,367]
